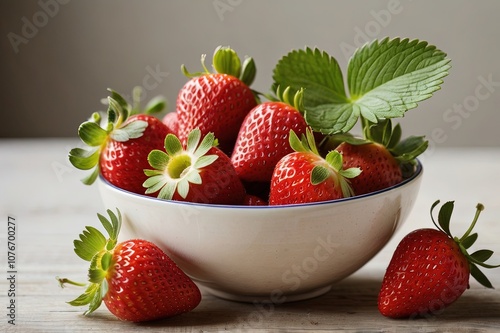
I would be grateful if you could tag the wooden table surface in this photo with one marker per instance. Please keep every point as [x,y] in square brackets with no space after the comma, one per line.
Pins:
[40,194]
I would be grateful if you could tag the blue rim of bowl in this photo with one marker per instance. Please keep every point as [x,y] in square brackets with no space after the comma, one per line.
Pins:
[418,171]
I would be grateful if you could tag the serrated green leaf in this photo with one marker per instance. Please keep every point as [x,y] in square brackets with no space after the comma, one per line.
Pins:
[90,243]
[332,118]
[444,216]
[385,79]
[84,159]
[92,134]
[482,255]
[315,71]
[479,276]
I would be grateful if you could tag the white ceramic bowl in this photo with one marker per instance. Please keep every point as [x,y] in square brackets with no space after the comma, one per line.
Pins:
[274,253]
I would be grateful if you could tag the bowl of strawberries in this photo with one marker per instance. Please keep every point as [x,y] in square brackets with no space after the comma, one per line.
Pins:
[271,200]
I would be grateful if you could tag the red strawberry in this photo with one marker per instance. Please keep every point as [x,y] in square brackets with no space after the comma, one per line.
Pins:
[380,168]
[170,119]
[136,280]
[263,137]
[382,157]
[253,200]
[217,102]
[119,149]
[430,269]
[304,176]
[199,173]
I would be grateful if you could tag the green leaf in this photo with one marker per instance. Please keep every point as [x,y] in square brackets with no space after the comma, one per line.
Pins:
[172,144]
[334,158]
[132,130]
[92,134]
[227,61]
[479,276]
[205,145]
[482,255]
[84,159]
[204,161]
[86,297]
[319,174]
[158,159]
[155,105]
[90,179]
[90,243]
[106,260]
[96,275]
[248,71]
[315,71]
[410,148]
[444,216]
[385,79]
[119,99]
[469,240]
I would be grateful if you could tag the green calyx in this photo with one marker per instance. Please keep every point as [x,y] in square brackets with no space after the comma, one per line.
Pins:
[296,100]
[405,151]
[332,166]
[96,132]
[94,247]
[226,61]
[176,168]
[478,258]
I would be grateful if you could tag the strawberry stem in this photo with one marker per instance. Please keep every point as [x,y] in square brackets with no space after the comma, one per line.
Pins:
[479,209]
[64,281]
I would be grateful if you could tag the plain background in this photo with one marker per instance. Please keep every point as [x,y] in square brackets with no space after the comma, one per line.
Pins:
[59,56]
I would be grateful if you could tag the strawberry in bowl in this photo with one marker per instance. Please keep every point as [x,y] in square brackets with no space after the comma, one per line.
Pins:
[274,202]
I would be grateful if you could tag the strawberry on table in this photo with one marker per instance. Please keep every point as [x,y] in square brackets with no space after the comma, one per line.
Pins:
[430,269]
[136,280]
[381,155]
[217,102]
[263,137]
[304,176]
[118,146]
[200,172]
